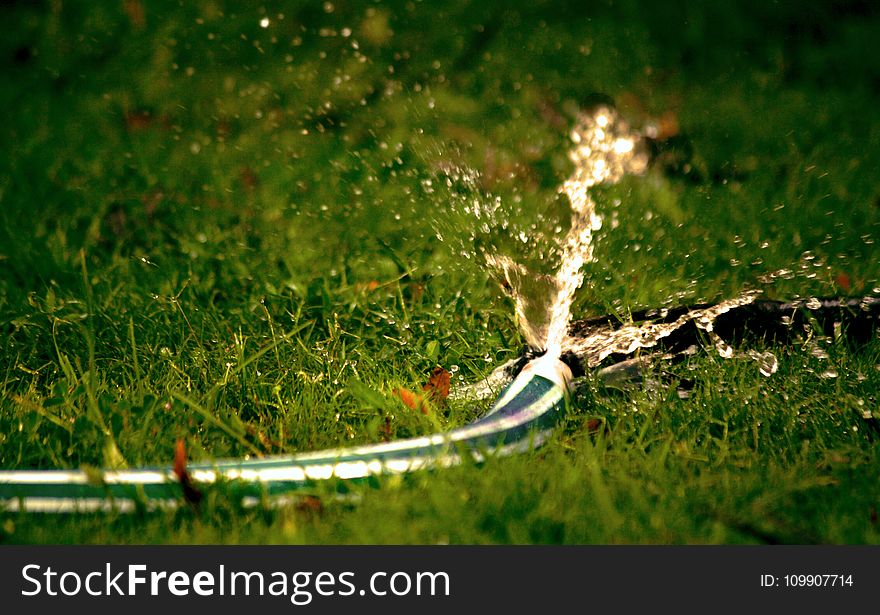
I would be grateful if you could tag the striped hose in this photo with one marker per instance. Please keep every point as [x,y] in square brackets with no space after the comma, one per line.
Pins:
[522,418]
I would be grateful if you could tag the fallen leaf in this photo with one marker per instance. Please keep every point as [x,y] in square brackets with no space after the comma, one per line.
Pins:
[596,426]
[366,286]
[310,504]
[843,281]
[413,401]
[136,121]
[438,384]
[435,391]
[180,459]
[190,492]
[135,11]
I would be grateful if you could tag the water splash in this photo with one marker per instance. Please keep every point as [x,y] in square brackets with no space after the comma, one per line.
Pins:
[768,364]
[593,347]
[530,292]
[605,149]
[725,350]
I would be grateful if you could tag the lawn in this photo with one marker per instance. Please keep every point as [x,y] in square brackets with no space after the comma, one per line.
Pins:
[219,223]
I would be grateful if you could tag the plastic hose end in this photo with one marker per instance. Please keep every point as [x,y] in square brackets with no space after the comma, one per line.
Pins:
[551,368]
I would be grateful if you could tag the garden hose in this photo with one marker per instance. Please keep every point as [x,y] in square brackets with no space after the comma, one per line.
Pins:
[521,419]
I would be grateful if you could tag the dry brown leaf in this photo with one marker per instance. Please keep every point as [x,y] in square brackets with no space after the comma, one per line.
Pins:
[366,286]
[438,384]
[310,504]
[135,11]
[180,459]
[435,391]
[191,493]
[137,121]
[413,401]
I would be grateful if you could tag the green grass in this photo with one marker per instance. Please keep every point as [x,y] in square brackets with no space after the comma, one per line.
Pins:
[222,232]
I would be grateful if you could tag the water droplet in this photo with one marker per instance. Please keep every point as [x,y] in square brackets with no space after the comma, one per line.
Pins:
[817,352]
[767,362]
[725,350]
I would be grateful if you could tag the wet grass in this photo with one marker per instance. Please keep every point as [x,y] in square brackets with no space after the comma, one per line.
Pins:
[219,231]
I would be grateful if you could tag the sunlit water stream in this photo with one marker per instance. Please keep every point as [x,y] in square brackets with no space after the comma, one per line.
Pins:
[604,150]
